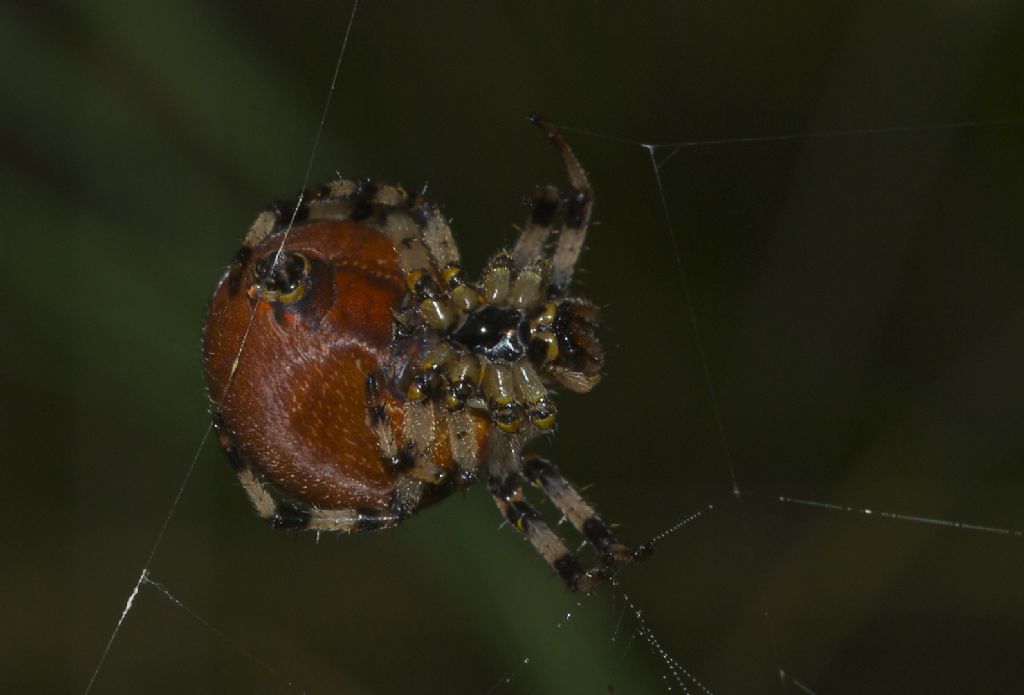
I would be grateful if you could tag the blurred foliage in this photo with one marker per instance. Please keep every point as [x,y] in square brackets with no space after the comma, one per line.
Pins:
[859,299]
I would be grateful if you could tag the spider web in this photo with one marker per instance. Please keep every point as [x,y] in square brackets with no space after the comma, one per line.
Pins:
[813,317]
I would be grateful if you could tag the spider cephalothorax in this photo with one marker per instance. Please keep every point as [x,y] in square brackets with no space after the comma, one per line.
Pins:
[357,375]
[502,341]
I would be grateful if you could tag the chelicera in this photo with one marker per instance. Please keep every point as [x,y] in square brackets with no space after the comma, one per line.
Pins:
[376,379]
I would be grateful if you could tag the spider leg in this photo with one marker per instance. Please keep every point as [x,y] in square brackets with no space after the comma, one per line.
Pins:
[578,511]
[423,238]
[505,486]
[436,234]
[380,423]
[404,226]
[287,514]
[410,460]
[292,515]
[416,227]
[418,434]
[530,244]
[464,445]
[284,512]
[508,494]
[577,214]
[262,227]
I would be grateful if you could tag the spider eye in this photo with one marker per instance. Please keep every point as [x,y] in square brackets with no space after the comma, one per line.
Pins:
[285,281]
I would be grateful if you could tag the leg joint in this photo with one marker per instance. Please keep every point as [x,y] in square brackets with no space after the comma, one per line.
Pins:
[288,515]
[597,532]
[521,514]
[577,209]
[503,487]
[544,201]
[570,570]
[539,471]
[369,519]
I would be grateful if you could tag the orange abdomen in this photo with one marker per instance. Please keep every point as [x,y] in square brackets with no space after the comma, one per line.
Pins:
[295,407]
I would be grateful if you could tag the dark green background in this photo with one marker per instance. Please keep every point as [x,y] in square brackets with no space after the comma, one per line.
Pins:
[860,300]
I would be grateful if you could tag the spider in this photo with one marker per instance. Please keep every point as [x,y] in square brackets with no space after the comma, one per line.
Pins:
[376,378]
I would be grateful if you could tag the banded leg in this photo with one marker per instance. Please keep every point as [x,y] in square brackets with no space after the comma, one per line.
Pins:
[508,494]
[577,214]
[413,469]
[411,457]
[281,214]
[418,228]
[424,241]
[261,228]
[418,433]
[380,423]
[435,232]
[283,514]
[530,244]
[578,511]
[293,515]
[464,445]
